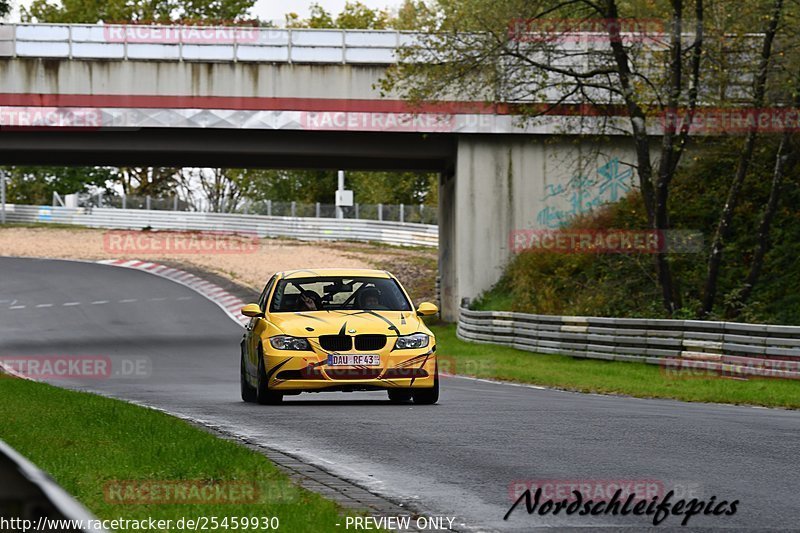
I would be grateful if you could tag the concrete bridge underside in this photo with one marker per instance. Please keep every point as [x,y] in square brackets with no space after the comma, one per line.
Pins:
[152,113]
[230,149]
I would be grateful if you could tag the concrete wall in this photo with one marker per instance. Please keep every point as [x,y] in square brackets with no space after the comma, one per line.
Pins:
[507,183]
[54,76]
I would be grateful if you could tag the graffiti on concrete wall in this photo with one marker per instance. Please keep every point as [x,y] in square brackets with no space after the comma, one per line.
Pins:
[583,193]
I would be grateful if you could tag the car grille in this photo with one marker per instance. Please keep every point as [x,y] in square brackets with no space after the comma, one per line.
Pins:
[353,373]
[370,342]
[305,373]
[336,343]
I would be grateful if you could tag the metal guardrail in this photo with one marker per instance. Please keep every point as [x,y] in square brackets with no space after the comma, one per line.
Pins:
[728,347]
[201,43]
[396,233]
[31,497]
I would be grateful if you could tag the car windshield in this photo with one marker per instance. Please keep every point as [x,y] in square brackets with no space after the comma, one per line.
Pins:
[338,293]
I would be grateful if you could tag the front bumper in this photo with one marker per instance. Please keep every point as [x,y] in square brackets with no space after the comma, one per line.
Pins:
[307,371]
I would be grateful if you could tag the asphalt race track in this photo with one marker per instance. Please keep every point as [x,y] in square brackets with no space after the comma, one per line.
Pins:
[456,458]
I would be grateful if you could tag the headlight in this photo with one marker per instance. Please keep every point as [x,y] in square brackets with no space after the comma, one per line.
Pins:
[285,342]
[406,342]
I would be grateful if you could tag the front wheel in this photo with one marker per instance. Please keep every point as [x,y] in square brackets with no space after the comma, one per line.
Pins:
[248,392]
[264,395]
[428,396]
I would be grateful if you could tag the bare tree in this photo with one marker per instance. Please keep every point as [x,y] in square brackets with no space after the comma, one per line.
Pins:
[786,157]
[223,189]
[473,52]
[723,231]
[145,181]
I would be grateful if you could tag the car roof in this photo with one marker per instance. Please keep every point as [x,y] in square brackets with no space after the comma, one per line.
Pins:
[323,272]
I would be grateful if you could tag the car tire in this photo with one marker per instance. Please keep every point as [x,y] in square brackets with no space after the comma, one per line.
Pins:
[428,396]
[248,392]
[399,395]
[264,395]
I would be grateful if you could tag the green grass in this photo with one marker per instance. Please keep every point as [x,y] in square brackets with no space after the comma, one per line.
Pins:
[48,225]
[613,377]
[86,442]
[494,301]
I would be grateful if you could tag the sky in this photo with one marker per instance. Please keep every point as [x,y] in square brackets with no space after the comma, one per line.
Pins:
[274,9]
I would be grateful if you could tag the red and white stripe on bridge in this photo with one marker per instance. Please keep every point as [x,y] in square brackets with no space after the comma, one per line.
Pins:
[98,111]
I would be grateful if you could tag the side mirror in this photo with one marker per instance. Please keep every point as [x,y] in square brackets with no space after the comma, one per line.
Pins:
[252,310]
[427,309]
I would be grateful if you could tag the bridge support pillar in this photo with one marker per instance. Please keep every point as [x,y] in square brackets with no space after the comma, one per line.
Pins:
[504,183]
[448,290]
[477,213]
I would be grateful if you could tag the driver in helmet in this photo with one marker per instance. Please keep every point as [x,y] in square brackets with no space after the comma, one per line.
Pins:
[370,299]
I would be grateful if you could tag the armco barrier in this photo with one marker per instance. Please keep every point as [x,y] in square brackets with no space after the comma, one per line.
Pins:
[727,347]
[202,43]
[397,233]
[29,496]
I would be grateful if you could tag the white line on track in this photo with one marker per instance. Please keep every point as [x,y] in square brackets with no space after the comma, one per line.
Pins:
[96,302]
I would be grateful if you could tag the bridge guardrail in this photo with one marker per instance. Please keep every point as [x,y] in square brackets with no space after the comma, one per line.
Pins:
[396,233]
[735,349]
[201,43]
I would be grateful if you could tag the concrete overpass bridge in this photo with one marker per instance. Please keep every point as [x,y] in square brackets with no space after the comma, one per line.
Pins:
[260,97]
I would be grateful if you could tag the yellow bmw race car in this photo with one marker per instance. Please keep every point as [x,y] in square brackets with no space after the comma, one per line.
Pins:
[338,330]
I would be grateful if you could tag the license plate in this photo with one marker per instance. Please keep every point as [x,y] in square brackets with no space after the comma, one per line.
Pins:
[354,360]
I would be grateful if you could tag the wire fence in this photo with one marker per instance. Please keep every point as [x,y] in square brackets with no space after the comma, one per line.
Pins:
[416,213]
[419,213]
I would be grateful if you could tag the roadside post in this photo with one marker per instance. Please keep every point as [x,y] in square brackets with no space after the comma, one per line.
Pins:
[2,196]
[344,198]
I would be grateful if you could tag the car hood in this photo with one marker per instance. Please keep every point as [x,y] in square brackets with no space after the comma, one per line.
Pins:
[336,322]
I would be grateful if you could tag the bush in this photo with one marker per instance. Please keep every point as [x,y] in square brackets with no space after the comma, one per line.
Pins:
[624,285]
